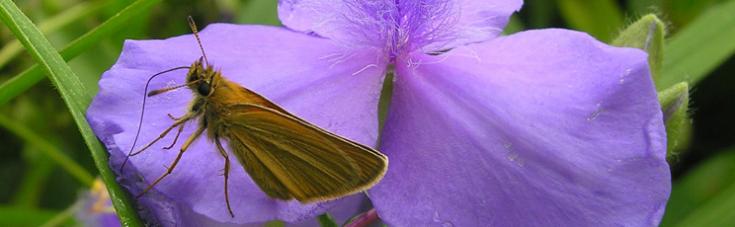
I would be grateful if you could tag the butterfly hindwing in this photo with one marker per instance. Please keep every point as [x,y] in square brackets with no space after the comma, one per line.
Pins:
[263,177]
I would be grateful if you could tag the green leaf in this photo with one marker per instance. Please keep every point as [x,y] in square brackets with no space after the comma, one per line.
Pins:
[75,95]
[706,195]
[700,47]
[22,82]
[675,106]
[326,220]
[600,18]
[646,34]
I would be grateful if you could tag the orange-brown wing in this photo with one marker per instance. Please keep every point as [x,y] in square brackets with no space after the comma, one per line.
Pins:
[290,158]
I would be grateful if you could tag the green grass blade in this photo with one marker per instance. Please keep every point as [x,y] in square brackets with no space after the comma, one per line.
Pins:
[48,149]
[23,81]
[75,95]
[700,47]
[74,14]
[601,18]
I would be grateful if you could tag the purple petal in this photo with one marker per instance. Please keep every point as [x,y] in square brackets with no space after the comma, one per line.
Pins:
[350,22]
[313,78]
[437,25]
[432,25]
[542,128]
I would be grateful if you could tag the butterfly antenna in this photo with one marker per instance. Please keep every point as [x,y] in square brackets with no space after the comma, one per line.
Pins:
[193,27]
[142,112]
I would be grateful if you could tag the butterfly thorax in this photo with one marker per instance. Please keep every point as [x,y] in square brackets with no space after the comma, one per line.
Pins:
[215,96]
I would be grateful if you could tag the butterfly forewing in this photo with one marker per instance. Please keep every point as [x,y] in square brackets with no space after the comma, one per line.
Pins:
[280,152]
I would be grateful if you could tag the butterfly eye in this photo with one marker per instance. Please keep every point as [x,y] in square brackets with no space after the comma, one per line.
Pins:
[204,88]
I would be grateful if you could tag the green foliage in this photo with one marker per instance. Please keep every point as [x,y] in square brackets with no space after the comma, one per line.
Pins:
[600,18]
[74,93]
[683,11]
[700,47]
[12,216]
[258,12]
[48,149]
[72,15]
[34,74]
[706,195]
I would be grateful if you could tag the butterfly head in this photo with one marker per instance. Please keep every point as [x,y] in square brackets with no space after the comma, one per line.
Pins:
[201,77]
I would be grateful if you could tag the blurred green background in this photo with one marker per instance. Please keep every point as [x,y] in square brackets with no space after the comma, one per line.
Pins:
[45,165]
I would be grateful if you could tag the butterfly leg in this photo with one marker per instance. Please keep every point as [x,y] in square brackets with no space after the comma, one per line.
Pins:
[170,169]
[227,172]
[179,122]
[172,117]
[178,133]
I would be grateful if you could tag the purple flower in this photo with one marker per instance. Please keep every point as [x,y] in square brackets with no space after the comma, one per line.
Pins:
[541,128]
[95,207]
